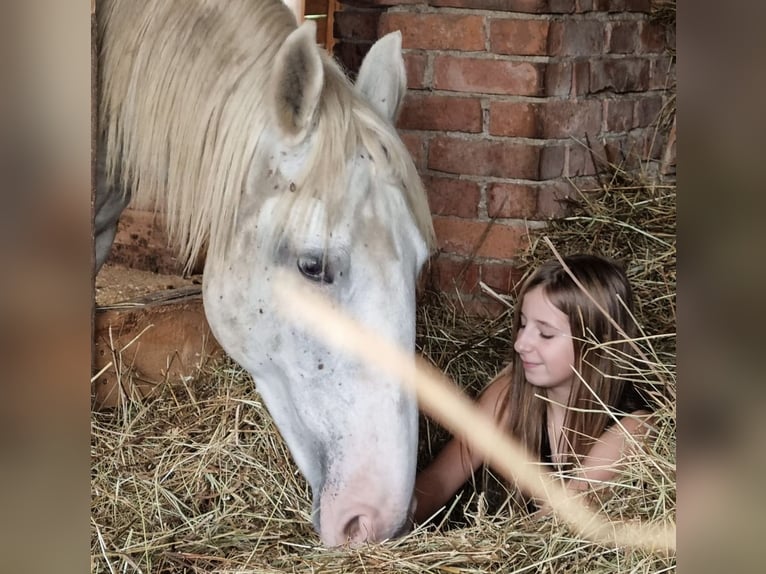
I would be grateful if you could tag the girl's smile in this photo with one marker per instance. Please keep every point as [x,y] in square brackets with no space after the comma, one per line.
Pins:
[544,344]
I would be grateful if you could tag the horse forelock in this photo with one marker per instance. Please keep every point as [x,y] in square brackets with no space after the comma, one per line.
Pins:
[346,124]
[194,75]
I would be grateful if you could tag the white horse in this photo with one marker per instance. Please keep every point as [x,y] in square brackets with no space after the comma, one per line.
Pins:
[227,116]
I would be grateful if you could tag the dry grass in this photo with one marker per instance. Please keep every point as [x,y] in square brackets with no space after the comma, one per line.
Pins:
[198,480]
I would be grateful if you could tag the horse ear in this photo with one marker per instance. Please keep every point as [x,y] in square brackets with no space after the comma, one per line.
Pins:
[297,81]
[382,79]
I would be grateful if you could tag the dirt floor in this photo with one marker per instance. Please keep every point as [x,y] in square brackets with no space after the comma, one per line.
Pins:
[118,284]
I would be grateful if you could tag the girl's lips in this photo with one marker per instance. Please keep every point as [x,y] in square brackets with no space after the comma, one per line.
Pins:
[528,366]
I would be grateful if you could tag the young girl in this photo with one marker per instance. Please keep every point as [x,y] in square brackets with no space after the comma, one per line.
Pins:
[554,394]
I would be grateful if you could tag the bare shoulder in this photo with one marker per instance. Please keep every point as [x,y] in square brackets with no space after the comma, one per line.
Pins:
[493,396]
[618,440]
[638,423]
[627,432]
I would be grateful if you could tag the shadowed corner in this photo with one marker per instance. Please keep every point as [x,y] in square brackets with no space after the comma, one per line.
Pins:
[45,294]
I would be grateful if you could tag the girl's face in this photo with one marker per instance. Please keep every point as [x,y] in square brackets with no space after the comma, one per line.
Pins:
[544,345]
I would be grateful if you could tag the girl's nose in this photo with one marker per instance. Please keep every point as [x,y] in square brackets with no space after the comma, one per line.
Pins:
[521,344]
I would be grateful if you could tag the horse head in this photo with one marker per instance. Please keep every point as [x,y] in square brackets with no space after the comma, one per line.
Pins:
[332,197]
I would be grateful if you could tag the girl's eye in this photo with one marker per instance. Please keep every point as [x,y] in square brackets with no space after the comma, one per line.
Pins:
[546,336]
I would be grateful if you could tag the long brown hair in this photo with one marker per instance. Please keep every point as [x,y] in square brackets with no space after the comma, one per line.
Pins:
[601,353]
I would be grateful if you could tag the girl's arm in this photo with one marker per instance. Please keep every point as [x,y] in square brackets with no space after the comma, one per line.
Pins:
[454,465]
[600,464]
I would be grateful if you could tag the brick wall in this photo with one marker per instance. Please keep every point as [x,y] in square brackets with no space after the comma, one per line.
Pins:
[510,103]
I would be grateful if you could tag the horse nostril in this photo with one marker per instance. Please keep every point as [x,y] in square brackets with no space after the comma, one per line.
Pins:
[357,529]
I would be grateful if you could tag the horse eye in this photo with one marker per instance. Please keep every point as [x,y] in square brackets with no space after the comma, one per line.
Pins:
[312,267]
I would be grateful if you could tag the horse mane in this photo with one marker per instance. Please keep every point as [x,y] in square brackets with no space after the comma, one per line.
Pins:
[184,108]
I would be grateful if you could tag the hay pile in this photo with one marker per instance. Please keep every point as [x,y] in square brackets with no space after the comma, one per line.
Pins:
[197,479]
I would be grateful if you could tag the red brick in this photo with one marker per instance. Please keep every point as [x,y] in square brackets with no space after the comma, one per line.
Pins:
[670,39]
[510,200]
[567,118]
[636,5]
[441,113]
[581,78]
[515,119]
[369,3]
[436,31]
[647,111]
[483,157]
[580,160]
[501,277]
[449,274]
[552,159]
[652,38]
[519,37]
[656,142]
[623,37]
[576,38]
[624,75]
[588,184]
[550,119]
[481,306]
[623,5]
[479,238]
[615,148]
[558,79]
[416,145]
[561,6]
[661,73]
[487,76]
[565,79]
[552,199]
[618,115]
[415,67]
[529,6]
[585,5]
[456,197]
[643,144]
